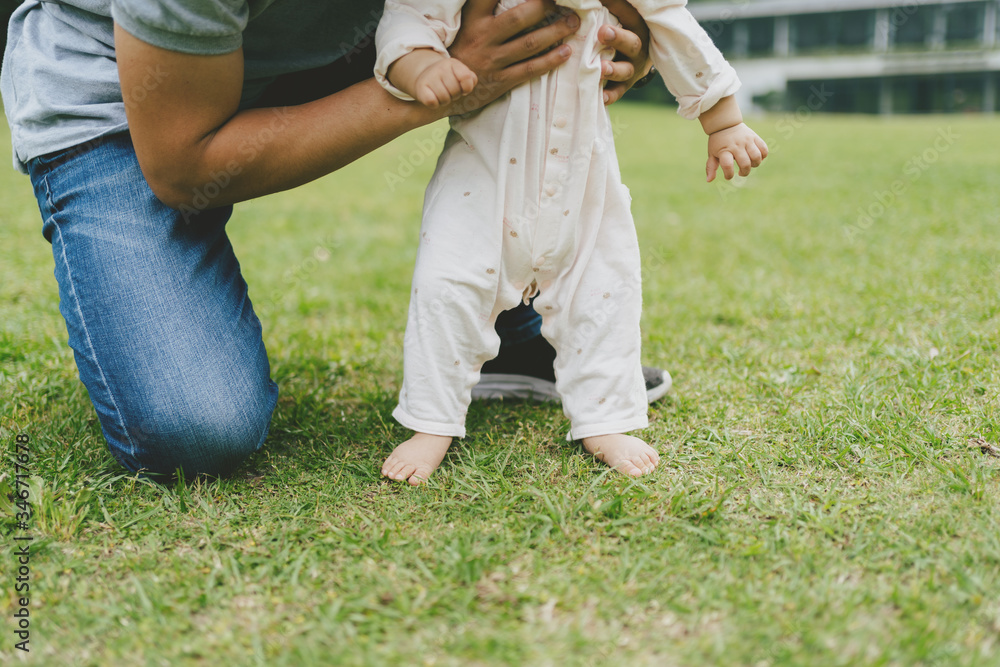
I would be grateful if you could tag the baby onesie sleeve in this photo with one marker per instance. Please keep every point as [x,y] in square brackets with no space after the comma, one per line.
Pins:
[694,69]
[411,24]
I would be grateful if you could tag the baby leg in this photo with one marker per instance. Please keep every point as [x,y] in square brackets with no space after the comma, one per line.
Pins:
[591,316]
[449,335]
[453,305]
[599,376]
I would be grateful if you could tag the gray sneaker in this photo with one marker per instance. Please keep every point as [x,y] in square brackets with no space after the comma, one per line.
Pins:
[524,370]
[508,385]
[658,382]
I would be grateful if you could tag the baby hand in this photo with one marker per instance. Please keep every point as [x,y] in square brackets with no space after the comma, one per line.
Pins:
[738,144]
[443,82]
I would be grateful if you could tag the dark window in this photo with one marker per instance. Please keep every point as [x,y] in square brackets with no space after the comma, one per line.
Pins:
[938,93]
[856,29]
[761,39]
[832,31]
[811,32]
[910,24]
[834,96]
[965,22]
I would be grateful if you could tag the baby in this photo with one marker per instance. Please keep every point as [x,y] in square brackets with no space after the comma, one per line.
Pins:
[527,203]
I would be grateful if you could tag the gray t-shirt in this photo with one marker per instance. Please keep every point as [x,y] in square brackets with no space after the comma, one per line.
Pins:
[60,83]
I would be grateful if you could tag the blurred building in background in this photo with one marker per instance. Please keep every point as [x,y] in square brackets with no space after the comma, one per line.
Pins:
[860,56]
[852,56]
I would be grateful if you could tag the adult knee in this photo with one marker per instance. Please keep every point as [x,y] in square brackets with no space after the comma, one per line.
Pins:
[194,434]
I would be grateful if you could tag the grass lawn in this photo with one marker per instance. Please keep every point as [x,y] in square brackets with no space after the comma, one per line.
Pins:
[832,328]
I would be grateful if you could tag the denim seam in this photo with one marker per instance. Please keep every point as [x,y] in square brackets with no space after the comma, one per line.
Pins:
[83,322]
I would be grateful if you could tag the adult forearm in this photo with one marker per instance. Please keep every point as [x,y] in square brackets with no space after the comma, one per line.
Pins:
[262,151]
[197,150]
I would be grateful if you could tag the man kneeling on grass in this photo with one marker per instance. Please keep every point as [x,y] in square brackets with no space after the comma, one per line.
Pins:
[125,114]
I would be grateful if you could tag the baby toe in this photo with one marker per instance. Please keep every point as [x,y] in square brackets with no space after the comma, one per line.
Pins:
[404,471]
[389,466]
[420,475]
[630,468]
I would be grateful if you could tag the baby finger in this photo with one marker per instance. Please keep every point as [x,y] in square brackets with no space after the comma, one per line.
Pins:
[726,161]
[743,160]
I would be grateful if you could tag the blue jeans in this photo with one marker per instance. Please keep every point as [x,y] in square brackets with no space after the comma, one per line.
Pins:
[163,332]
[165,337]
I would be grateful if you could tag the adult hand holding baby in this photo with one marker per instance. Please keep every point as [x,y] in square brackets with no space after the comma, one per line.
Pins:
[508,49]
[631,44]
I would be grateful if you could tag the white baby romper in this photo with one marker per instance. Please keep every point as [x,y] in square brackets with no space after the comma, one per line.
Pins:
[527,198]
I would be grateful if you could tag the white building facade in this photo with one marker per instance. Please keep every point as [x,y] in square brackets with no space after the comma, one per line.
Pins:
[868,56]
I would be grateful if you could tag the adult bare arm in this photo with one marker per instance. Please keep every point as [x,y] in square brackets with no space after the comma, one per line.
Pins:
[188,131]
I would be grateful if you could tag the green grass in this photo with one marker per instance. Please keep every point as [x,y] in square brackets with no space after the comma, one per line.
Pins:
[818,501]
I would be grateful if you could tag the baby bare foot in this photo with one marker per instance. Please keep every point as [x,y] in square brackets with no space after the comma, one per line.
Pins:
[415,459]
[624,453]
